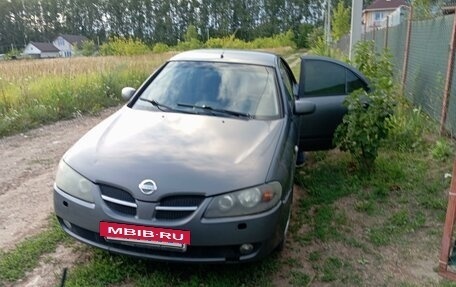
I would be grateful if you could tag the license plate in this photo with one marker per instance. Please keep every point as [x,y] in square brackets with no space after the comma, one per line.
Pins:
[145,235]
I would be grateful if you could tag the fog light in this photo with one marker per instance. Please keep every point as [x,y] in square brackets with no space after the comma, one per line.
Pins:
[246,248]
[67,223]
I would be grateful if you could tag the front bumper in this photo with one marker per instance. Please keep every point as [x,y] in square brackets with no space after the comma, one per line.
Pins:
[212,240]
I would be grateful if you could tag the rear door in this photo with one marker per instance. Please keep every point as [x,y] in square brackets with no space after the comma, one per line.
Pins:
[325,82]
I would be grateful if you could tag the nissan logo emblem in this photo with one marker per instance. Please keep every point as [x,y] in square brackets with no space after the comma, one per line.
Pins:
[148,186]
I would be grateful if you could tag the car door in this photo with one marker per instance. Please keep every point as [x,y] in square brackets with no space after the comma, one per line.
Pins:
[325,82]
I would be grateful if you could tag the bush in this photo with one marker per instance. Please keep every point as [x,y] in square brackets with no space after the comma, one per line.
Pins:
[279,40]
[88,48]
[160,48]
[13,54]
[189,45]
[365,126]
[302,35]
[228,42]
[317,42]
[231,42]
[118,46]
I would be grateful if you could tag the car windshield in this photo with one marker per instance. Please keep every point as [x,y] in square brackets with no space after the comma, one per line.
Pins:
[213,87]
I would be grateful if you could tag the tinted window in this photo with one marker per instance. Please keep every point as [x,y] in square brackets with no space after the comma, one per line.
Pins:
[323,78]
[354,83]
[243,88]
[287,81]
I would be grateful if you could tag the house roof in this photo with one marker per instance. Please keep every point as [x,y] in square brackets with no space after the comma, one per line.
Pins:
[386,5]
[45,47]
[74,39]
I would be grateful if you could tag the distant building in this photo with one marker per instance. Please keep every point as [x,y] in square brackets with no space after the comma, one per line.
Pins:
[67,44]
[41,50]
[374,16]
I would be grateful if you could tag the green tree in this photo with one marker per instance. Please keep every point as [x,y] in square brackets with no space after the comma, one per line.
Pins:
[13,54]
[340,21]
[191,34]
[153,21]
[423,9]
[88,48]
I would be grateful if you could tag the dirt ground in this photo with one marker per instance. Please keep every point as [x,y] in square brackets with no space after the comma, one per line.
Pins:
[27,170]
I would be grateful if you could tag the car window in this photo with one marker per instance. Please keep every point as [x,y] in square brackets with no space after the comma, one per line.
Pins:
[242,88]
[287,81]
[354,83]
[324,78]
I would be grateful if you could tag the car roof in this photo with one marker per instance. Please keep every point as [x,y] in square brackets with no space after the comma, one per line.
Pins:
[228,56]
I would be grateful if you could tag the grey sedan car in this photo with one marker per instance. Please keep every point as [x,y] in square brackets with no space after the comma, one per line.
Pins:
[198,166]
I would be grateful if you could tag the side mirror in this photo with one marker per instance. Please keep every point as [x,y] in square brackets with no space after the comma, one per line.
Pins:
[127,93]
[304,107]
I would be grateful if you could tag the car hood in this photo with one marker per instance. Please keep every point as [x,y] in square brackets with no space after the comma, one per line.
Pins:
[182,153]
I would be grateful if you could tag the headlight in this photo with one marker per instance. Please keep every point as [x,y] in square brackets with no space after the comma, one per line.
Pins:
[73,183]
[244,202]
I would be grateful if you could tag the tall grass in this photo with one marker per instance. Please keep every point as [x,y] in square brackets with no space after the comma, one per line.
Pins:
[34,92]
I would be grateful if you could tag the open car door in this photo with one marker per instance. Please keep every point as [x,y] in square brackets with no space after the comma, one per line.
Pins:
[325,82]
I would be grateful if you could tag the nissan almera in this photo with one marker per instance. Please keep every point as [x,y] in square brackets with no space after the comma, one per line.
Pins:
[198,166]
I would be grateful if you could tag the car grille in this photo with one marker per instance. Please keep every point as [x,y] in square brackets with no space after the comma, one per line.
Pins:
[118,200]
[169,208]
[177,207]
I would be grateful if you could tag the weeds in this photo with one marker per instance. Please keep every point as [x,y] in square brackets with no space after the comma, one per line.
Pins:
[65,88]
[26,255]
[118,46]
[299,278]
[406,128]
[104,269]
[442,150]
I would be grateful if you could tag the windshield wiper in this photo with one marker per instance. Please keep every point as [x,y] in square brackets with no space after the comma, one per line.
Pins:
[223,111]
[159,106]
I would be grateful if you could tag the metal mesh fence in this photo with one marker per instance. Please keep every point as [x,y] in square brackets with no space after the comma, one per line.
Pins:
[450,124]
[343,44]
[428,58]
[427,63]
[396,45]
[379,39]
[393,39]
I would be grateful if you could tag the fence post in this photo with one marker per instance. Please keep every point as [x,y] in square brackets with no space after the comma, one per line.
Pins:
[406,49]
[448,229]
[448,78]
[386,32]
